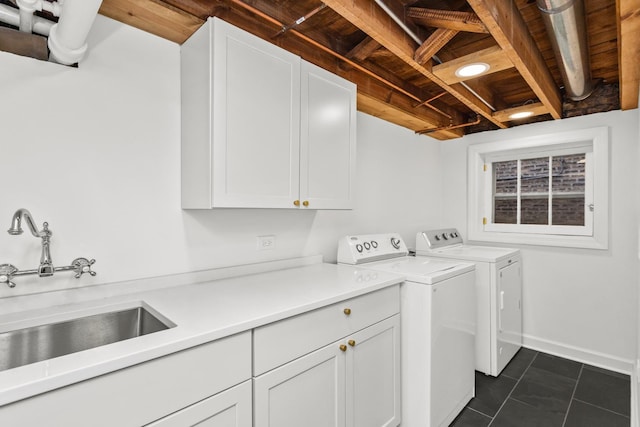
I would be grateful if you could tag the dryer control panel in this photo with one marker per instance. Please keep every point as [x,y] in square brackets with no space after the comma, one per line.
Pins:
[370,247]
[437,239]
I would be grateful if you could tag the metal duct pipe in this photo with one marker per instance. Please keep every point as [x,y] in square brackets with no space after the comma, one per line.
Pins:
[68,38]
[566,24]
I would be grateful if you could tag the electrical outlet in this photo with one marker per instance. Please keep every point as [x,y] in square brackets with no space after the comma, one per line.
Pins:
[266,242]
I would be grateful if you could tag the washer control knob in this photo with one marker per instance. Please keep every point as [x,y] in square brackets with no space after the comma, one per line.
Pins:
[437,237]
[359,247]
[395,242]
[452,235]
[374,244]
[444,236]
[367,245]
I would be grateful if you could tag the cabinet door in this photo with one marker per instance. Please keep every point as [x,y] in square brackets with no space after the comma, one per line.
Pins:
[308,391]
[327,139]
[373,375]
[231,408]
[256,121]
[509,337]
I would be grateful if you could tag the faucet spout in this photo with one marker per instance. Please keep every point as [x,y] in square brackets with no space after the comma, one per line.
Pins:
[16,223]
[46,264]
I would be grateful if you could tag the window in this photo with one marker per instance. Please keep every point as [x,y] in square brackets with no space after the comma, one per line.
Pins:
[547,190]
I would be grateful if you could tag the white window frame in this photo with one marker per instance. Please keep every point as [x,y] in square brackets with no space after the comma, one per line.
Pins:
[594,235]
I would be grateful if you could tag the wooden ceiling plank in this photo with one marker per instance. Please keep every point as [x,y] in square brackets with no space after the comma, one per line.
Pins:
[153,16]
[364,49]
[628,52]
[371,19]
[493,56]
[433,44]
[452,20]
[506,25]
[537,109]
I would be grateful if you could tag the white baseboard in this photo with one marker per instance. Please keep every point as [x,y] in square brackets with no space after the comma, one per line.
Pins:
[601,360]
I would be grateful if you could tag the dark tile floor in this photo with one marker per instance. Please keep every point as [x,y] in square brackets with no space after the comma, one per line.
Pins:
[539,390]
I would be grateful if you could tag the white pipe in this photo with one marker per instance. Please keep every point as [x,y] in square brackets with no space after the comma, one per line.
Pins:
[27,9]
[68,38]
[10,15]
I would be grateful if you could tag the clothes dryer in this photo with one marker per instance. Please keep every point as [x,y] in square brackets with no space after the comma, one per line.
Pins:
[498,292]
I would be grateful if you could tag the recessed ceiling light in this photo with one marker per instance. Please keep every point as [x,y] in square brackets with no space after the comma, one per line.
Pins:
[521,115]
[471,70]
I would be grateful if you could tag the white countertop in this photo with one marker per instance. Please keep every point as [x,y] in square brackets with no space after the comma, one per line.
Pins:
[202,312]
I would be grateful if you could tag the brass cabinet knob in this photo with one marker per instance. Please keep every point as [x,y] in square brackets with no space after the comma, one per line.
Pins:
[343,347]
[347,311]
[305,203]
[296,202]
[352,343]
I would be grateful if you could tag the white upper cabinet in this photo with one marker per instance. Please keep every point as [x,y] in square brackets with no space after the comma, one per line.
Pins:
[327,139]
[260,127]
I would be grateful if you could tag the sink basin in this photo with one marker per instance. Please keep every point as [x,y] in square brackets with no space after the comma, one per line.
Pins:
[34,344]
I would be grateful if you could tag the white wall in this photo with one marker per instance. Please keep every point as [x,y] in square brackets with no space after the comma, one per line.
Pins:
[95,151]
[577,303]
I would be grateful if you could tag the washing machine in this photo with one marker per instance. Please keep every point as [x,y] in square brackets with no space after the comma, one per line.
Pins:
[437,332]
[498,292]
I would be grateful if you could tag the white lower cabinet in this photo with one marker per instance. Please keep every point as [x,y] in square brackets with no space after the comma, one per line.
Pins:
[373,375]
[352,382]
[310,392]
[231,408]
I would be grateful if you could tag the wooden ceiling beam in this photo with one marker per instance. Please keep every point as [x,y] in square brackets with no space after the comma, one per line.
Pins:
[24,44]
[493,56]
[536,109]
[433,44]
[628,52]
[392,113]
[364,49]
[506,25]
[371,19]
[447,19]
[153,16]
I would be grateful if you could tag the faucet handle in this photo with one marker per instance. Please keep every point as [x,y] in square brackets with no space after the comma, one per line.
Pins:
[6,274]
[82,266]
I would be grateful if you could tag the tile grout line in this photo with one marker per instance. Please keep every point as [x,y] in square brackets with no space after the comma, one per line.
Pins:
[514,387]
[600,407]
[575,387]
[479,412]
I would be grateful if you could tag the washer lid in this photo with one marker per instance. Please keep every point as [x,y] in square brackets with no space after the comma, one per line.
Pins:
[422,270]
[471,253]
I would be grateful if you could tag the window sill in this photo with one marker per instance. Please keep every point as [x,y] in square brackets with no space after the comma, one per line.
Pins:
[583,242]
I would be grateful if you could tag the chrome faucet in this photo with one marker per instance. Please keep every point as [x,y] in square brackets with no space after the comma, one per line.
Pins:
[46,268]
[46,265]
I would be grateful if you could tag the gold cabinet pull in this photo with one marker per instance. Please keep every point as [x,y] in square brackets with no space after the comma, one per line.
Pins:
[305,203]
[347,311]
[343,347]
[296,202]
[352,343]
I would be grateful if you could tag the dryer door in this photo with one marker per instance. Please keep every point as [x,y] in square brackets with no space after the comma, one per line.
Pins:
[509,313]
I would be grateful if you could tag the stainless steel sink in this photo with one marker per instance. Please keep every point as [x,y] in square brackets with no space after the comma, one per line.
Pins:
[34,344]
